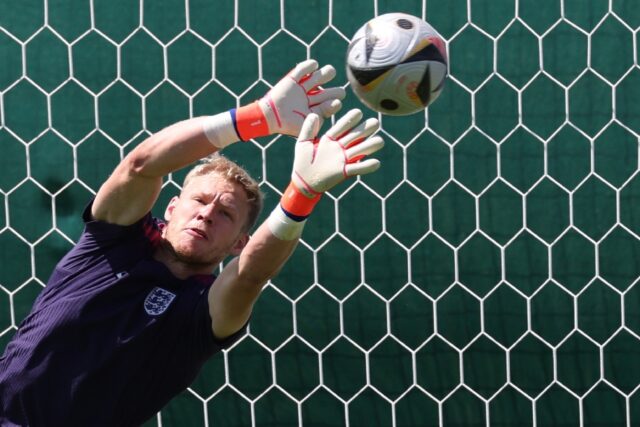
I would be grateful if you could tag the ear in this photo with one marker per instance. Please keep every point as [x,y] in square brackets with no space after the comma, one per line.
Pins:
[239,245]
[170,207]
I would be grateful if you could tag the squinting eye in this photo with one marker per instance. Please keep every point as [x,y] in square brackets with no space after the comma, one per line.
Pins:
[227,214]
[199,200]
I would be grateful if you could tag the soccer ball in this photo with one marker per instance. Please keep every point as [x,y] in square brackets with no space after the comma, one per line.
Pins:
[396,64]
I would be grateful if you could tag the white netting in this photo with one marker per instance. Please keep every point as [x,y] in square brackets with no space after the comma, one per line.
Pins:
[512,298]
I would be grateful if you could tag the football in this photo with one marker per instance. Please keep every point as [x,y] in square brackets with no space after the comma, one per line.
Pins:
[397,64]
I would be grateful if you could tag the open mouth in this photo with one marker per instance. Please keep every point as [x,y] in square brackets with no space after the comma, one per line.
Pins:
[197,232]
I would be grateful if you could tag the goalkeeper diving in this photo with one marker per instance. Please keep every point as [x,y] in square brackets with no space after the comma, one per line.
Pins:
[132,312]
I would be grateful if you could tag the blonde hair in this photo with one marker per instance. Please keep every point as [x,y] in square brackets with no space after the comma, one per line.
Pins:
[232,172]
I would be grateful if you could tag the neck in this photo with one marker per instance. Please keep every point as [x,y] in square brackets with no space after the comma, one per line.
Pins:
[180,268]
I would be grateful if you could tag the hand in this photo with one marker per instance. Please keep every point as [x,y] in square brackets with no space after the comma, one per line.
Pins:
[284,108]
[319,165]
[298,94]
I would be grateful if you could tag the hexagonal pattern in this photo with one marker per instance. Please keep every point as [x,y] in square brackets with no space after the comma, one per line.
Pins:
[564,52]
[484,364]
[625,92]
[487,109]
[10,48]
[542,99]
[94,61]
[518,61]
[477,146]
[585,16]
[487,275]
[510,407]
[552,313]
[588,116]
[578,363]
[47,60]
[390,367]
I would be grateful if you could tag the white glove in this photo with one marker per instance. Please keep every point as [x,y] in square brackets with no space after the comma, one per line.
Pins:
[284,108]
[319,165]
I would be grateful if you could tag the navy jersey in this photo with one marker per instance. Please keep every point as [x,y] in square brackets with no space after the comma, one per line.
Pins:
[111,339]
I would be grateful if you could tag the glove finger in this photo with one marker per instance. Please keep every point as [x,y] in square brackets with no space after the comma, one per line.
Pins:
[345,123]
[310,128]
[319,77]
[360,132]
[327,108]
[304,68]
[362,168]
[365,148]
[326,94]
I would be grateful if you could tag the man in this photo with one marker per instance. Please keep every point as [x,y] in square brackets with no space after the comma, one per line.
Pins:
[132,312]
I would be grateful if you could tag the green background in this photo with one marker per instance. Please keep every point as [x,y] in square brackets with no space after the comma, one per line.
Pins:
[486,275]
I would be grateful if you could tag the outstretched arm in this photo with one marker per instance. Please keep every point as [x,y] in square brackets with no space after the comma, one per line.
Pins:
[132,189]
[318,166]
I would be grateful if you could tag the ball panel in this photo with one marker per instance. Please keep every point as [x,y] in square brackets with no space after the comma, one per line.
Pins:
[438,73]
[404,23]
[432,82]
[423,89]
[426,51]
[400,86]
[365,76]
[379,43]
[369,93]
[389,104]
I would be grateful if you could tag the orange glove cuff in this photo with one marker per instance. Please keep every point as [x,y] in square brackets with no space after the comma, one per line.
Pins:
[250,121]
[296,205]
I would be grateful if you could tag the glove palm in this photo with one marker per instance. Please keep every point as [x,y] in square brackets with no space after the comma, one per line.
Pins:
[321,164]
[284,108]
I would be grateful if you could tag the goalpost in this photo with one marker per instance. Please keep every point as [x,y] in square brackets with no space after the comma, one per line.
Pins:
[487,275]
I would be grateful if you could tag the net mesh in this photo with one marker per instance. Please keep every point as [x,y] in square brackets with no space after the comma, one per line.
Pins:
[487,275]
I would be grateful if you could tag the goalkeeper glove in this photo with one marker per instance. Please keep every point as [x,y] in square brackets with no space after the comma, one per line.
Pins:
[285,106]
[319,165]
[282,109]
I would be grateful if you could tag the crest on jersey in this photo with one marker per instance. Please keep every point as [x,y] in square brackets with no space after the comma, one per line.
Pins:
[158,301]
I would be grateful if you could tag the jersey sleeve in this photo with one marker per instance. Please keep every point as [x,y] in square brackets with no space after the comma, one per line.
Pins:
[104,232]
[98,237]
[205,329]
[230,340]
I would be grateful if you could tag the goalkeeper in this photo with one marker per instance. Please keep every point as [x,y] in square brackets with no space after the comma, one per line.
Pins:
[132,312]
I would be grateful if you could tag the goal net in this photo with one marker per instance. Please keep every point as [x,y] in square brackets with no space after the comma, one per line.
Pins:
[486,275]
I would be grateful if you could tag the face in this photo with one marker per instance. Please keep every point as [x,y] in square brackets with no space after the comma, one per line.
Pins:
[206,222]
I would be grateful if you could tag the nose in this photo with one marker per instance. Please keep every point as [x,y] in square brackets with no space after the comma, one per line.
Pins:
[205,213]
